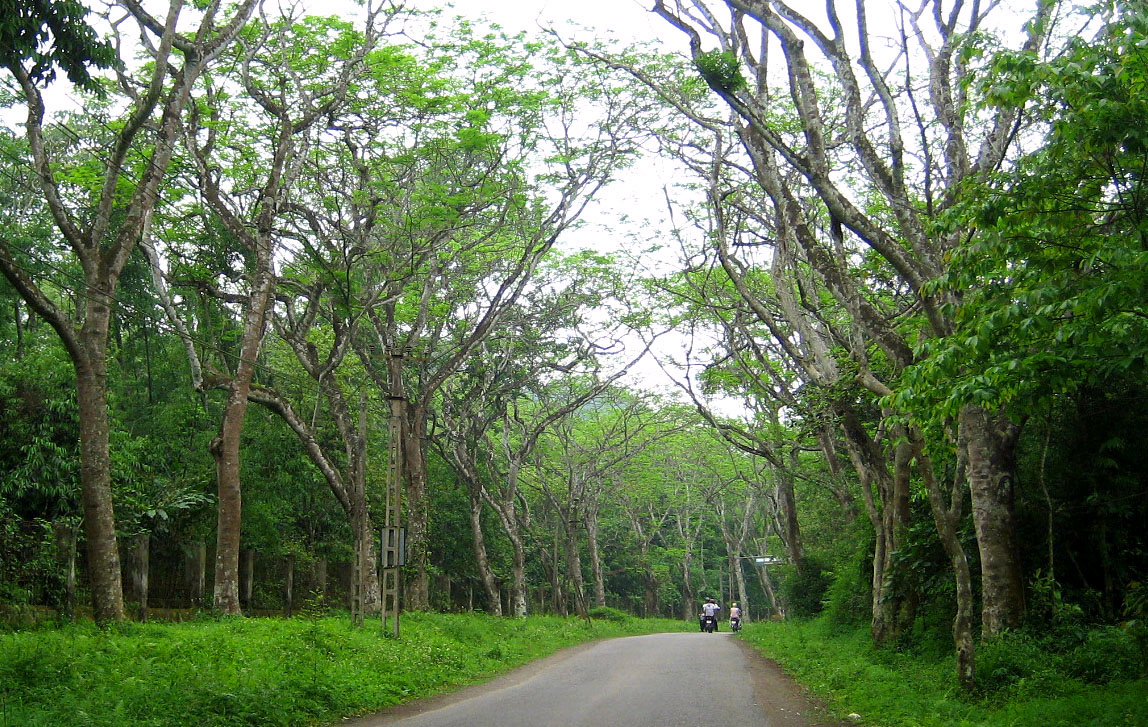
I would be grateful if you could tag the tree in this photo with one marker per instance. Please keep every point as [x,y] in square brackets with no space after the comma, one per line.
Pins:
[454,235]
[51,33]
[101,205]
[497,407]
[284,92]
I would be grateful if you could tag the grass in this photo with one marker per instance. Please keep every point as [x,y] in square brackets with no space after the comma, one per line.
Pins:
[892,689]
[266,672]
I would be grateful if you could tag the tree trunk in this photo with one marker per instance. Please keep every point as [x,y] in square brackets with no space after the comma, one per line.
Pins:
[140,564]
[246,576]
[739,579]
[882,494]
[767,586]
[225,447]
[65,536]
[989,441]
[414,460]
[508,517]
[787,503]
[195,572]
[289,587]
[481,559]
[574,568]
[320,584]
[946,516]
[595,559]
[649,580]
[95,467]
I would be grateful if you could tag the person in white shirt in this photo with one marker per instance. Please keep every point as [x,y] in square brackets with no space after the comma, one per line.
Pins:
[710,608]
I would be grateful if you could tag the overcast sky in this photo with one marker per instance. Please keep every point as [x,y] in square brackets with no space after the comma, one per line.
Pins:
[628,19]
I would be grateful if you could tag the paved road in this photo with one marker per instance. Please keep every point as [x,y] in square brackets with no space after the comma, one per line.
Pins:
[663,680]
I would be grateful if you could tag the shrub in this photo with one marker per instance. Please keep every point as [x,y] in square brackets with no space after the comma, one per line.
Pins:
[1011,660]
[804,589]
[1107,654]
[605,613]
[848,599]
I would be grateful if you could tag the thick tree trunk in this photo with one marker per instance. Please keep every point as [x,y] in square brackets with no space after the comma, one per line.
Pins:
[95,468]
[414,460]
[225,447]
[739,579]
[482,560]
[595,559]
[989,442]
[574,569]
[320,583]
[518,587]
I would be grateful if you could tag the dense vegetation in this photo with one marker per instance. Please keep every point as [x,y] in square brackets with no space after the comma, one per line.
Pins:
[902,311]
[265,671]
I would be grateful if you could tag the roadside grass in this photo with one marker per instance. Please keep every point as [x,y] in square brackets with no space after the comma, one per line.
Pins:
[266,672]
[1020,684]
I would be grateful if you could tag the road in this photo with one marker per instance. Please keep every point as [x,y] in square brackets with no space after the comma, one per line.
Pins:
[662,680]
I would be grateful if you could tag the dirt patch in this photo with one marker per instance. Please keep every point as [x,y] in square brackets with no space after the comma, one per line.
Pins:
[787,703]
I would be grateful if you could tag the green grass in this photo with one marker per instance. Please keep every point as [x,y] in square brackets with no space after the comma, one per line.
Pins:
[1019,686]
[266,672]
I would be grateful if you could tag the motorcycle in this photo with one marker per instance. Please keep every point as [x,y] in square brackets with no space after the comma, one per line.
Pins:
[735,624]
[709,624]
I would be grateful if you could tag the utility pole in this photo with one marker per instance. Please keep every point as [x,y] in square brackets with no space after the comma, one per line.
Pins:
[393,547]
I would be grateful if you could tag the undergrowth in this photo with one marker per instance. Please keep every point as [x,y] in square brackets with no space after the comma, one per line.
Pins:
[1022,681]
[266,672]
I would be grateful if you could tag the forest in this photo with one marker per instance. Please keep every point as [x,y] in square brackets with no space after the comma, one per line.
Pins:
[834,312]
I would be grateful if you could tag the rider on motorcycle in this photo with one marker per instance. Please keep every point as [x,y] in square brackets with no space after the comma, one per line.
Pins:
[710,609]
[734,617]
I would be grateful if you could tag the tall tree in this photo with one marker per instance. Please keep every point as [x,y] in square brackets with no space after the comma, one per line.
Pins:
[101,214]
[863,112]
[461,231]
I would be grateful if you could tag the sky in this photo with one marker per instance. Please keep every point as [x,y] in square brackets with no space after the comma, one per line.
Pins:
[627,19]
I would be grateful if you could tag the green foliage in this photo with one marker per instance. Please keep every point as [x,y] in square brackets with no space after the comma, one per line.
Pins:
[902,689]
[605,613]
[1048,290]
[239,672]
[721,69]
[849,598]
[803,589]
[53,33]
[1031,665]
[1107,654]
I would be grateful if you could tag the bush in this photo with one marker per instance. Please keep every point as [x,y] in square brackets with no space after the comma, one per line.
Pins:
[605,613]
[804,589]
[849,598]
[1014,661]
[1107,654]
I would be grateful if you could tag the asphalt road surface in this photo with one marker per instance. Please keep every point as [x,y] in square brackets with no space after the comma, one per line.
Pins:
[662,680]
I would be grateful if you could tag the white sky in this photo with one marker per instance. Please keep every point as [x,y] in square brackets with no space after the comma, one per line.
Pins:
[626,19]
